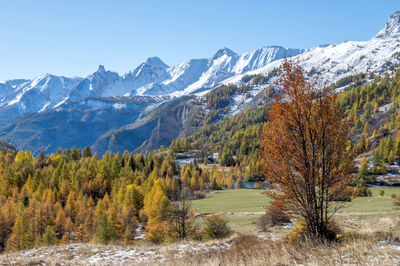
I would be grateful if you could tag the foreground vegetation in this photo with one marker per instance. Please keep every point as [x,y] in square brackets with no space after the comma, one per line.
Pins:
[76,197]
[242,207]
[377,248]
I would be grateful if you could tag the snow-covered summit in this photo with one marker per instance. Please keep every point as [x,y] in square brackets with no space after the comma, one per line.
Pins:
[260,57]
[392,26]
[153,77]
[101,69]
[155,62]
[39,94]
[224,52]
[329,63]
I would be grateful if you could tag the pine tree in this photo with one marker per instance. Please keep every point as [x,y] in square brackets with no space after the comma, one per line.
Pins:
[105,229]
[87,152]
[49,237]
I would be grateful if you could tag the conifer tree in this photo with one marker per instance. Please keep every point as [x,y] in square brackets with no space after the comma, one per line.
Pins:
[155,208]
[105,229]
[86,152]
[363,172]
[21,237]
[49,237]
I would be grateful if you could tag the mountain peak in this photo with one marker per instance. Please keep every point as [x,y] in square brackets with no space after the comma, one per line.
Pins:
[273,47]
[101,69]
[155,61]
[224,51]
[392,26]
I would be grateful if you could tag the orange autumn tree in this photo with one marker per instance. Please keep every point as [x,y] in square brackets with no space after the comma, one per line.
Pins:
[304,149]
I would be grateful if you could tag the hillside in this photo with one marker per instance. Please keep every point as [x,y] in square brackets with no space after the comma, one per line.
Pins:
[223,85]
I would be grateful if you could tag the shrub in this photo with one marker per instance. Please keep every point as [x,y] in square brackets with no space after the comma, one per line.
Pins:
[396,202]
[259,185]
[361,191]
[159,232]
[341,194]
[381,192]
[273,216]
[216,227]
[64,240]
[263,222]
[299,233]
[199,195]
[243,242]
[277,215]
[197,235]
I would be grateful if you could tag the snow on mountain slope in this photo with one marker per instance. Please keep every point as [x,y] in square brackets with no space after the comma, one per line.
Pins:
[152,77]
[392,26]
[260,57]
[185,74]
[7,87]
[37,95]
[100,83]
[152,71]
[332,62]
[225,64]
[220,67]
[155,78]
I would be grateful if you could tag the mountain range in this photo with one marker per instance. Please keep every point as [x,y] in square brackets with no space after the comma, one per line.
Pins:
[156,103]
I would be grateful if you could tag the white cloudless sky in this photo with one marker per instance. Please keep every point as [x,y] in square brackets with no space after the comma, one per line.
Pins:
[72,38]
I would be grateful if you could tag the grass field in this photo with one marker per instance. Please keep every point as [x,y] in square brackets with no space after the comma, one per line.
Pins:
[233,200]
[242,207]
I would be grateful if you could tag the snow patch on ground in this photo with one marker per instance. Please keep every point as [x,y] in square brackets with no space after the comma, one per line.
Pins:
[96,254]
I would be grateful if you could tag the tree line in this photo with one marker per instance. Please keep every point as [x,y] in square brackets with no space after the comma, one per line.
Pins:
[76,196]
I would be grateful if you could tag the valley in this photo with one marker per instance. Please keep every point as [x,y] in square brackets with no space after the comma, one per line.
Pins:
[274,156]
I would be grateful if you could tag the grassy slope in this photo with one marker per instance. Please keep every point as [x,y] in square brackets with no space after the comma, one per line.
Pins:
[242,207]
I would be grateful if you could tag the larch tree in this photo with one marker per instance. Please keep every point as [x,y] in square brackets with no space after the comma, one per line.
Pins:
[156,207]
[20,237]
[304,149]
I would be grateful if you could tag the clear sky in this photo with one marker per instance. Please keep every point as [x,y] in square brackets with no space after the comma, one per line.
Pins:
[72,37]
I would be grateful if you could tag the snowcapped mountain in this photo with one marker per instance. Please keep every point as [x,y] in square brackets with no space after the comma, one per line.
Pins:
[155,103]
[100,83]
[36,95]
[330,63]
[225,64]
[153,77]
[197,76]
[392,26]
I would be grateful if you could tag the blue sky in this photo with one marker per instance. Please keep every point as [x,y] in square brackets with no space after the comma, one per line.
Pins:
[72,37]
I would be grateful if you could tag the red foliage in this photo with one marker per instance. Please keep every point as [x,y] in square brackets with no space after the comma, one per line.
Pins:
[304,148]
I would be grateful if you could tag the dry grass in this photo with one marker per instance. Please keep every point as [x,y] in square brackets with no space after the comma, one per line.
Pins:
[363,243]
[143,253]
[358,251]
